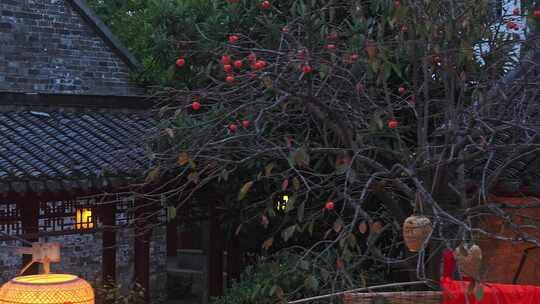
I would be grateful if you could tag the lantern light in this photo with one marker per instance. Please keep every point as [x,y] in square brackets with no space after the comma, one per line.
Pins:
[281,205]
[83,219]
[46,288]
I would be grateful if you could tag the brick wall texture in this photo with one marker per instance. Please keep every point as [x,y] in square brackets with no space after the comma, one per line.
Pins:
[502,258]
[48,47]
[82,256]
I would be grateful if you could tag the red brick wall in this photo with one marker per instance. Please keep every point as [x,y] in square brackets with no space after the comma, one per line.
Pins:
[502,258]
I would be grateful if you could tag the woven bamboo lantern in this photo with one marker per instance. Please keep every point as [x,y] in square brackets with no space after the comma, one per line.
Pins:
[416,230]
[47,288]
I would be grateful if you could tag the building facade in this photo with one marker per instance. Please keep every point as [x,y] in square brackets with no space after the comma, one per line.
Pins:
[72,125]
[54,47]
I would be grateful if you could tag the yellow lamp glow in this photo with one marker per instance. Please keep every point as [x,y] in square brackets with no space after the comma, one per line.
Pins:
[83,219]
[282,204]
[47,289]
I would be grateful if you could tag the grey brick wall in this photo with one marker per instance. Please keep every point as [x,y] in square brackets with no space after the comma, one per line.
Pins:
[48,47]
[158,265]
[10,261]
[81,256]
[125,271]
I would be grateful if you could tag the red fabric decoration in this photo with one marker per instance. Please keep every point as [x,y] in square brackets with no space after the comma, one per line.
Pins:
[454,292]
[449,263]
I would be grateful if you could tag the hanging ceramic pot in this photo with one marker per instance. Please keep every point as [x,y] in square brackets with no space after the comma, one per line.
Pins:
[416,230]
[469,260]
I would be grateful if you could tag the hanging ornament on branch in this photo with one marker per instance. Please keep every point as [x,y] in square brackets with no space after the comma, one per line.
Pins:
[469,260]
[416,229]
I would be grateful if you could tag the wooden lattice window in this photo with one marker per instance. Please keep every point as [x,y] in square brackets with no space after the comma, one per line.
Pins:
[67,216]
[10,220]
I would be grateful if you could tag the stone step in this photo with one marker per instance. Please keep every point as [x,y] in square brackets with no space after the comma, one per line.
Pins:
[189,251]
[180,271]
[185,283]
[172,268]
[194,259]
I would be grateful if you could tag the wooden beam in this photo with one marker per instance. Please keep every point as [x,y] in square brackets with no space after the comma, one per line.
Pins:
[75,101]
[29,208]
[142,248]
[108,218]
[215,255]
[172,238]
[234,257]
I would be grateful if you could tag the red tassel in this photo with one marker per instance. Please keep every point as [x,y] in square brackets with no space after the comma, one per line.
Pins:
[449,263]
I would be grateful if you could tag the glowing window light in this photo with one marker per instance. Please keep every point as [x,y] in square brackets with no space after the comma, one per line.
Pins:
[281,205]
[47,289]
[83,219]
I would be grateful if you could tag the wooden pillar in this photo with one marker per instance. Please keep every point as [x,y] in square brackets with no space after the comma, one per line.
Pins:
[172,237]
[108,218]
[142,247]
[29,207]
[215,255]
[234,258]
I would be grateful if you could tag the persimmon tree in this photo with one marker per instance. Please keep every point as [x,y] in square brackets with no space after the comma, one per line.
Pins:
[327,123]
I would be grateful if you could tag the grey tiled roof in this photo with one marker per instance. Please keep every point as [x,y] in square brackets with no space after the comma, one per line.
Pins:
[56,149]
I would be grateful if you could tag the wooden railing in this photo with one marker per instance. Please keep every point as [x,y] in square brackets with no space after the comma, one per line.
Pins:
[412,297]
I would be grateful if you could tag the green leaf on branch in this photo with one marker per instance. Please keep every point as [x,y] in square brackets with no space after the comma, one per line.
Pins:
[238,229]
[300,158]
[396,70]
[387,71]
[290,204]
[153,175]
[374,65]
[296,183]
[351,240]
[193,177]
[244,190]
[288,233]
[311,282]
[304,265]
[347,255]
[338,225]
[376,123]
[171,213]
[169,132]
[310,227]
[224,175]
[325,274]
[324,70]
[341,168]
[268,169]
[301,209]
[192,164]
